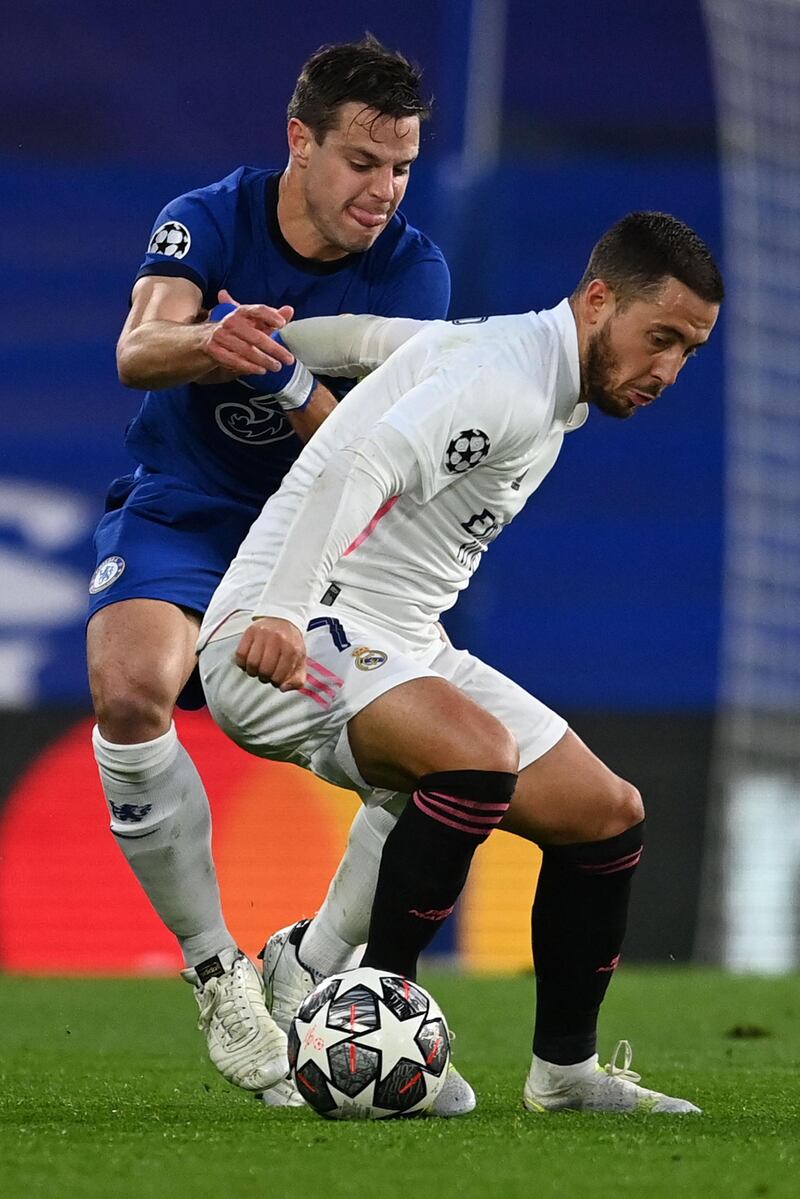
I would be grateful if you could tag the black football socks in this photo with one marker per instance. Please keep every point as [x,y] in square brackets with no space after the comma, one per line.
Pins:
[578,925]
[426,858]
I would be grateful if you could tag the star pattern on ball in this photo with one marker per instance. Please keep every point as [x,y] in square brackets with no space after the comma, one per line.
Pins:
[396,1040]
[313,1045]
[368,1044]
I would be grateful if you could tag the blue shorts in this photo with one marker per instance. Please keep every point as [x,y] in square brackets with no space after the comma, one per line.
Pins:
[161,539]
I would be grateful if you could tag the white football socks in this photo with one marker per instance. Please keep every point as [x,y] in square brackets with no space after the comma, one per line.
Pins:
[161,820]
[342,923]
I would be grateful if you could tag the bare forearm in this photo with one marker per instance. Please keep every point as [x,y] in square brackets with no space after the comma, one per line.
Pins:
[168,339]
[306,421]
[161,354]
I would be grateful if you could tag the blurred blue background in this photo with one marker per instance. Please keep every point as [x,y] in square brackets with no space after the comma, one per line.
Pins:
[604,595]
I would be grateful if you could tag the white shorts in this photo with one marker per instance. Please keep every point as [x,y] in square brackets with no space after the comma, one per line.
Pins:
[350,664]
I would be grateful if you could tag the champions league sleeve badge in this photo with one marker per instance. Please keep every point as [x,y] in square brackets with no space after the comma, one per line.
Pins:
[107,573]
[467,449]
[171,239]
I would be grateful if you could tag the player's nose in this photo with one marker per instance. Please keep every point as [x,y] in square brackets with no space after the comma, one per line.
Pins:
[667,368]
[382,184]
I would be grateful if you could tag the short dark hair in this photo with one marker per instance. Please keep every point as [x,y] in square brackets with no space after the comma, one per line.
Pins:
[363,72]
[638,254]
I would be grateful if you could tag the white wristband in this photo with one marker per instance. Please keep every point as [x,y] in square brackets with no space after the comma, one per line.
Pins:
[298,391]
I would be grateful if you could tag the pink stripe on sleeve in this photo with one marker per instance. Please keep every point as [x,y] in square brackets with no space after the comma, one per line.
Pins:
[365,533]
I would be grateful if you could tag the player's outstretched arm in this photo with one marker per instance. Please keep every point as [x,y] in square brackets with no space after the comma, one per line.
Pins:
[348,345]
[163,344]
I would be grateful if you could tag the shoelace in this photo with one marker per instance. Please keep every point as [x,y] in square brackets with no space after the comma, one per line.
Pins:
[213,1001]
[624,1072]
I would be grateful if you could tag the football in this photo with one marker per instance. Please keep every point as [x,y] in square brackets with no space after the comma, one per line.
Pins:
[368,1044]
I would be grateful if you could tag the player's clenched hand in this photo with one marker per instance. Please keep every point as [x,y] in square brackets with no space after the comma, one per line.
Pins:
[273,651]
[242,343]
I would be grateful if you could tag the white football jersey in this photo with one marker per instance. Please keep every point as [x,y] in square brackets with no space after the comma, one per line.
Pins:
[480,409]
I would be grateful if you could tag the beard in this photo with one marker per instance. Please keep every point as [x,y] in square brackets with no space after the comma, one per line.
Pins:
[597,375]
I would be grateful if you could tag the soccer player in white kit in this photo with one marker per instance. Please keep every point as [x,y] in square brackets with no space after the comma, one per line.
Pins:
[334,599]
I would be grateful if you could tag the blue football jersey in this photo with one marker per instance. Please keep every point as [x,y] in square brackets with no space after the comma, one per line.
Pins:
[224,439]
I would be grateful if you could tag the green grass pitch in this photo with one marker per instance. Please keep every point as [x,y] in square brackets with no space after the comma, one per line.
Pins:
[105,1091]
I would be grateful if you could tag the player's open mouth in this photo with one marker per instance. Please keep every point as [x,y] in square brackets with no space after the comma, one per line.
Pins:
[640,398]
[368,220]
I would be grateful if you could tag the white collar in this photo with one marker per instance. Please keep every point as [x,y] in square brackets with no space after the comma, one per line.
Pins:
[568,381]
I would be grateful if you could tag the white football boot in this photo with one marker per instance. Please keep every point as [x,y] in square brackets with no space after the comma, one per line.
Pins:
[590,1087]
[456,1097]
[244,1042]
[287,981]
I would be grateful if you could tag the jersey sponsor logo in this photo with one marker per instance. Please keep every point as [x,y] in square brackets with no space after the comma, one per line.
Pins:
[369,659]
[253,421]
[107,573]
[172,239]
[482,529]
[467,449]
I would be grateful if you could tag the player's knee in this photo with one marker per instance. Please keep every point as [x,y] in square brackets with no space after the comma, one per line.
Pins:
[504,754]
[623,807]
[491,746]
[131,712]
[470,743]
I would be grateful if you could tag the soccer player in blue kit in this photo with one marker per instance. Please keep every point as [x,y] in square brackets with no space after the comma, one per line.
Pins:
[226,413]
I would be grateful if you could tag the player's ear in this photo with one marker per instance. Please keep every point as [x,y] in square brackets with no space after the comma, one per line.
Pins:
[598,297]
[300,139]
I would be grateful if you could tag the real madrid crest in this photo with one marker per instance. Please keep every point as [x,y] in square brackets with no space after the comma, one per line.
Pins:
[368,659]
[107,573]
